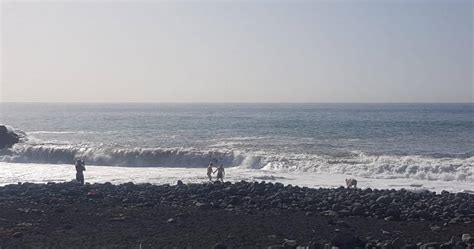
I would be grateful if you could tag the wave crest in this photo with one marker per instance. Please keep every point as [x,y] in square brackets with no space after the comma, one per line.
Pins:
[362,165]
[136,157]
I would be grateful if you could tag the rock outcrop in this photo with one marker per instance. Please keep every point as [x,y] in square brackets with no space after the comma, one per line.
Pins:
[7,137]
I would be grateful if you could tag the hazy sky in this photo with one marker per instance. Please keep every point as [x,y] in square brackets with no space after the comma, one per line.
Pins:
[245,51]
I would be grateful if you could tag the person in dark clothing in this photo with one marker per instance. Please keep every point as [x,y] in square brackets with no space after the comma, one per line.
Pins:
[80,168]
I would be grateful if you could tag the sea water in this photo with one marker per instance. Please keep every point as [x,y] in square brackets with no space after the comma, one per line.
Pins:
[382,145]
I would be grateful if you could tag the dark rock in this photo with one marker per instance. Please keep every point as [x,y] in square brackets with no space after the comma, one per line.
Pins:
[346,241]
[384,199]
[59,210]
[460,244]
[423,214]
[219,246]
[336,207]
[202,205]
[398,243]
[466,238]
[68,227]
[287,243]
[462,195]
[446,246]
[122,218]
[17,235]
[358,210]
[276,247]
[342,223]
[393,211]
[8,138]
[431,245]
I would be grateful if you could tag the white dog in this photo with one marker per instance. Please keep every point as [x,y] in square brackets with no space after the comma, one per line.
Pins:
[351,182]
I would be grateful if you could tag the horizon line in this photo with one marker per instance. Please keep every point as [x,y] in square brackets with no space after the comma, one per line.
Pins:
[203,102]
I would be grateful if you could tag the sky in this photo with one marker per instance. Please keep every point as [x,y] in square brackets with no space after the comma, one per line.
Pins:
[237,51]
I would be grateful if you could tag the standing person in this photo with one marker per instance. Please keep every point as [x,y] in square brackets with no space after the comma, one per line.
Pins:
[209,171]
[220,173]
[80,168]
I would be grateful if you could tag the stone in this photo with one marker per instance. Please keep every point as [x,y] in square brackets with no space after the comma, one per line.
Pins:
[466,237]
[219,246]
[68,227]
[398,243]
[358,210]
[8,138]
[384,199]
[346,240]
[17,235]
[394,212]
[202,205]
[276,247]
[430,245]
[123,218]
[423,214]
[59,210]
[446,246]
[289,243]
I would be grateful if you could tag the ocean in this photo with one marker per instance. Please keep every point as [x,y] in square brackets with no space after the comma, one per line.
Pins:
[382,145]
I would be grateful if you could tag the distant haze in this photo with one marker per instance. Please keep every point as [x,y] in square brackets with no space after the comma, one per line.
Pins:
[237,51]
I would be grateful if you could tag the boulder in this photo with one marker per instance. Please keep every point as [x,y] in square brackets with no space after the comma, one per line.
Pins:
[358,210]
[287,243]
[220,246]
[466,237]
[385,199]
[431,245]
[7,137]
[347,240]
[398,243]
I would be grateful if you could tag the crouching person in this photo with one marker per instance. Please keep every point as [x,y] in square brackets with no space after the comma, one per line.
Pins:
[351,182]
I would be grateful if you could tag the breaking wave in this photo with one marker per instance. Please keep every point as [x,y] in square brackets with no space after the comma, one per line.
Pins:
[108,156]
[356,164]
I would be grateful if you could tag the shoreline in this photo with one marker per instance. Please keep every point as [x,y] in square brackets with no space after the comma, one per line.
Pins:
[241,214]
[13,173]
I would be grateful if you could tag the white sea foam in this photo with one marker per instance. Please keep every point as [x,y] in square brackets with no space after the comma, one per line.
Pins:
[51,132]
[42,173]
[360,165]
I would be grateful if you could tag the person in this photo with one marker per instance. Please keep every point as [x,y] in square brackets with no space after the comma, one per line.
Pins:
[220,173]
[80,168]
[351,182]
[209,171]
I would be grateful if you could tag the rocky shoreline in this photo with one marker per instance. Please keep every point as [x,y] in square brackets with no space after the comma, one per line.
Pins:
[226,215]
[8,138]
